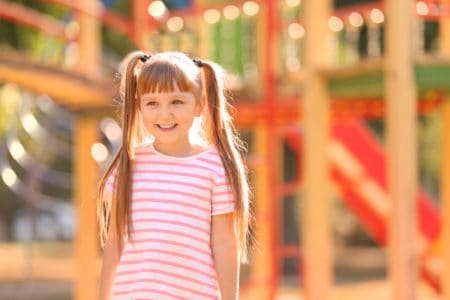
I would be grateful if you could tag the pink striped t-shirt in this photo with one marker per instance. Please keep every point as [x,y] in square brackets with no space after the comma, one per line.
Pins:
[173,199]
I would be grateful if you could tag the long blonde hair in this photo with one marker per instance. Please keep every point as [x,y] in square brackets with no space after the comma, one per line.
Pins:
[158,73]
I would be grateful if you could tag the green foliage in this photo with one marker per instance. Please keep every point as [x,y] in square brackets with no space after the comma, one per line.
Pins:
[21,37]
[122,7]
[431,36]
[429,140]
[39,45]
[10,98]
[115,42]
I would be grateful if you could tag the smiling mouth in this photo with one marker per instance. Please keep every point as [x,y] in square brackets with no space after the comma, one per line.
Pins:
[166,127]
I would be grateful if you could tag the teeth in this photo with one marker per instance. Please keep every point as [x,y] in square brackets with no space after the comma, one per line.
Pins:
[166,126]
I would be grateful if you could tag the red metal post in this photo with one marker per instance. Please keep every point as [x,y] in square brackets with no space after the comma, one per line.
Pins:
[272,158]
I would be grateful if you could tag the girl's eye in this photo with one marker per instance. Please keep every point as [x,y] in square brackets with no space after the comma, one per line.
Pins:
[152,103]
[177,101]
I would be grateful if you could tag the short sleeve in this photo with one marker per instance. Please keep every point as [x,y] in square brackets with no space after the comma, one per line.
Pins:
[222,201]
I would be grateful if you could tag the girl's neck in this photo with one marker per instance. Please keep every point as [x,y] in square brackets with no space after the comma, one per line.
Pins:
[178,150]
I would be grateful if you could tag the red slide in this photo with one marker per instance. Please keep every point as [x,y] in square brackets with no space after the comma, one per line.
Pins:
[358,163]
[367,150]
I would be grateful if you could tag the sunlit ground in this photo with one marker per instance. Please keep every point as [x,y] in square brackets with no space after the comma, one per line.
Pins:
[371,290]
[61,290]
[50,272]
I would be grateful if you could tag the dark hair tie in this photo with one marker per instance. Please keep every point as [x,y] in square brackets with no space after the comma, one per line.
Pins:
[144,57]
[198,62]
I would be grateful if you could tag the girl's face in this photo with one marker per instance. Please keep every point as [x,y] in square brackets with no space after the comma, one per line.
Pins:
[168,116]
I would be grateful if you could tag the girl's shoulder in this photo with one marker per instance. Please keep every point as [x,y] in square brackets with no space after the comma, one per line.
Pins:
[212,160]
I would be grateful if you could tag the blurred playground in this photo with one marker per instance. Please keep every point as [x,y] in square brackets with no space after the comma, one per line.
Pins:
[344,106]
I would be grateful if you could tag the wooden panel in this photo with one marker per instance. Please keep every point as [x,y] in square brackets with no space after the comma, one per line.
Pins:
[358,85]
[262,262]
[315,215]
[85,183]
[401,148]
[444,38]
[429,74]
[432,77]
[89,42]
[141,23]
[70,90]
[85,168]
[445,197]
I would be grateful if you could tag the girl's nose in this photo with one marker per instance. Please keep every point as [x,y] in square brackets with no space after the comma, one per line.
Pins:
[166,112]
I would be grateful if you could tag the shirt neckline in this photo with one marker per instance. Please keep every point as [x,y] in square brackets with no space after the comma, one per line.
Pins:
[170,157]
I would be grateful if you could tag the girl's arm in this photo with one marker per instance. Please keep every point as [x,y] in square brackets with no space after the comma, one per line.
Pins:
[225,252]
[110,260]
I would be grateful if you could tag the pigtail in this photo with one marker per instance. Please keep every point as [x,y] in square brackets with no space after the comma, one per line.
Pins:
[121,164]
[223,135]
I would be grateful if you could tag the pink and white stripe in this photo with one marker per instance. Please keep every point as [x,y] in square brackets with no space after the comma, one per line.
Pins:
[173,199]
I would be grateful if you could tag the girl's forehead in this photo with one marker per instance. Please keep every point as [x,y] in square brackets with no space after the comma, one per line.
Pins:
[163,95]
[161,84]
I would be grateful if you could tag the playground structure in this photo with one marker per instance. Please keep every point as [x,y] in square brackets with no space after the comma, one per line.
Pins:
[337,92]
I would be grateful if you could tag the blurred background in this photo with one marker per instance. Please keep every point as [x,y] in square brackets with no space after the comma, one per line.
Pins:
[59,130]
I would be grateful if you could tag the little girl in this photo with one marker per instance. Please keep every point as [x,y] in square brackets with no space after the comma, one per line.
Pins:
[174,212]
